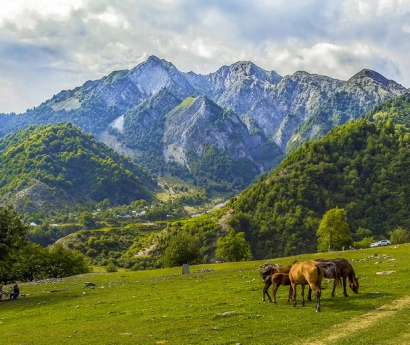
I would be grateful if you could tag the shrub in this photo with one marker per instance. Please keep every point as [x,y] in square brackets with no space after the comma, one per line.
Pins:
[111,268]
[364,243]
[399,235]
[182,249]
[233,247]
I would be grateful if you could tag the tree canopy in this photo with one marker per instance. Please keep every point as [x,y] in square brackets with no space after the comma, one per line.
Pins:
[233,247]
[334,231]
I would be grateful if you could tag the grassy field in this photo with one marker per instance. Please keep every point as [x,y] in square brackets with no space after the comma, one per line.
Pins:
[166,307]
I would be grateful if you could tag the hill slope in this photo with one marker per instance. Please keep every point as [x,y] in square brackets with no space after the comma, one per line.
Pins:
[54,166]
[361,166]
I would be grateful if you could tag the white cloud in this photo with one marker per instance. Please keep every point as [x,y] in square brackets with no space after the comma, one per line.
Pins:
[46,46]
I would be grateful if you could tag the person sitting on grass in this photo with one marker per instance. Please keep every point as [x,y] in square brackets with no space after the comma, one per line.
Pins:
[1,292]
[16,291]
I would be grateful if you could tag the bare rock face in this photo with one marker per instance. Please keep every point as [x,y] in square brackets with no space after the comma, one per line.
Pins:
[242,110]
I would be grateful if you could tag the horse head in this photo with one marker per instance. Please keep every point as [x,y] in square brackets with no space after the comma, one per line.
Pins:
[354,284]
[266,271]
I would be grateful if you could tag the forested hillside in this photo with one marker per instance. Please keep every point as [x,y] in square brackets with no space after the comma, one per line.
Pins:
[53,166]
[361,166]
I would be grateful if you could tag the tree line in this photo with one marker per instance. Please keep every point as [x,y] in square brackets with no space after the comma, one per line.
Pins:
[22,260]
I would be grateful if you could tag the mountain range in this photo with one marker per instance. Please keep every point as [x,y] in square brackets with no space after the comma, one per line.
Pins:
[227,126]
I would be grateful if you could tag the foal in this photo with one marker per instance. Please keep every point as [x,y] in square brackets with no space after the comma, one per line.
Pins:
[310,273]
[276,280]
[266,275]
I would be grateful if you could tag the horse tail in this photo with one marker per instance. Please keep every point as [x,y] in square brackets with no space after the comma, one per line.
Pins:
[331,271]
[318,273]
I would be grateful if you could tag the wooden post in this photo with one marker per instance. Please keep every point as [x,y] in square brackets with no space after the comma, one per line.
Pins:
[185,269]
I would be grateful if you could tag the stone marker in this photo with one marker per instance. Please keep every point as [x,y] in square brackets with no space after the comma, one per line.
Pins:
[185,269]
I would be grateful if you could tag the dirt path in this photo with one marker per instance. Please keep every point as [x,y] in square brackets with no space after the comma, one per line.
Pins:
[361,322]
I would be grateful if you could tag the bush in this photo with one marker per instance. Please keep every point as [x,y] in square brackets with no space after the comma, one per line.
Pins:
[182,249]
[399,236]
[111,268]
[233,247]
[364,243]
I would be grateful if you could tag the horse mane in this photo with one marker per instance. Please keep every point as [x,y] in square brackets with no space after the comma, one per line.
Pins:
[330,269]
[352,274]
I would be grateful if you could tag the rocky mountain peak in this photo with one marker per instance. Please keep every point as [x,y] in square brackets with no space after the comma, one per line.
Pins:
[369,74]
[369,79]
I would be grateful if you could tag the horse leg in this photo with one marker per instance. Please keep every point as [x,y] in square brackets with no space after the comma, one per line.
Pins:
[317,297]
[290,293]
[275,288]
[334,288]
[303,295]
[265,290]
[316,288]
[309,297]
[344,287]
[294,294]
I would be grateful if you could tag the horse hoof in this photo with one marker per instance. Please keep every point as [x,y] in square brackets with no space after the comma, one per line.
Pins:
[346,295]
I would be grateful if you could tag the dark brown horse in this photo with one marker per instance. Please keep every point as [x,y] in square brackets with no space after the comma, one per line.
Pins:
[346,271]
[276,280]
[267,274]
[310,273]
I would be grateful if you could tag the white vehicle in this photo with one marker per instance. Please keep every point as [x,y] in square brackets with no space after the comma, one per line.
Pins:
[380,243]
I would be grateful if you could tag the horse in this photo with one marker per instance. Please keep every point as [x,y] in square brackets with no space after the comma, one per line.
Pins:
[276,280]
[266,275]
[346,271]
[312,273]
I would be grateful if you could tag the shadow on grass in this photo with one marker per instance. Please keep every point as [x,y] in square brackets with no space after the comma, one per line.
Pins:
[362,301]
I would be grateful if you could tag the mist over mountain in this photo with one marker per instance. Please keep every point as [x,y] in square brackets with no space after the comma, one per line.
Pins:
[227,126]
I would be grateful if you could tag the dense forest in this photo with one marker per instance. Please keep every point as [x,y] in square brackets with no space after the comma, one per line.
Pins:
[62,163]
[361,166]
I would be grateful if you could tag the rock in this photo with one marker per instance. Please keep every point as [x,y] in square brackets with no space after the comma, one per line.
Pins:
[205,270]
[88,284]
[385,272]
[227,313]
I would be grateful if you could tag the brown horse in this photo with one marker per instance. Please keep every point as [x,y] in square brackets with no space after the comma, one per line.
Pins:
[276,280]
[310,273]
[266,275]
[346,271]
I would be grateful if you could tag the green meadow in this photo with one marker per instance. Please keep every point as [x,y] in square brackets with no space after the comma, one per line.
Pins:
[220,306]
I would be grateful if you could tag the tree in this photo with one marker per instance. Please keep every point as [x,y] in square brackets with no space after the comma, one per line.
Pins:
[334,231]
[399,235]
[13,232]
[63,262]
[233,247]
[182,249]
[13,236]
[86,218]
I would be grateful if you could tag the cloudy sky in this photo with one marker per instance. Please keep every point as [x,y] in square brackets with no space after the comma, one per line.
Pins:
[50,45]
